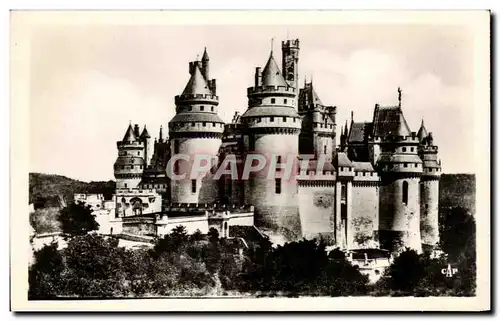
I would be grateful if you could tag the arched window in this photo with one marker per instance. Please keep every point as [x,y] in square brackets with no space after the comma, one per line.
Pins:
[405,193]
[343,192]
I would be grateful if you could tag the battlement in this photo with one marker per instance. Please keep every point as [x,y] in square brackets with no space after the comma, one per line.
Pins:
[270,89]
[135,191]
[201,97]
[290,43]
[425,149]
[134,144]
[411,139]
[186,207]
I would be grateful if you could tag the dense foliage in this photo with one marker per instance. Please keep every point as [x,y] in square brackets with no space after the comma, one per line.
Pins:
[45,220]
[95,266]
[422,274]
[457,190]
[46,190]
[185,265]
[77,219]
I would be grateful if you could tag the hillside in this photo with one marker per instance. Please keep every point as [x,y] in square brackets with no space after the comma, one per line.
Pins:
[458,190]
[45,189]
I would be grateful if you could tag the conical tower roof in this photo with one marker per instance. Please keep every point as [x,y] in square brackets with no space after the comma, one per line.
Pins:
[422,132]
[145,133]
[197,84]
[129,135]
[205,55]
[271,75]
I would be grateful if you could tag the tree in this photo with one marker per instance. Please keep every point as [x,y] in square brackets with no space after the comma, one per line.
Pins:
[96,266]
[457,232]
[77,219]
[406,271]
[44,274]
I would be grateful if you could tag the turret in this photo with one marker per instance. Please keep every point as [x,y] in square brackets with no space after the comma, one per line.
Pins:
[271,129]
[196,129]
[205,67]
[400,169]
[429,189]
[317,136]
[130,163]
[148,147]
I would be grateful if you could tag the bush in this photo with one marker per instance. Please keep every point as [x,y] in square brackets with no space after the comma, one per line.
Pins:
[77,219]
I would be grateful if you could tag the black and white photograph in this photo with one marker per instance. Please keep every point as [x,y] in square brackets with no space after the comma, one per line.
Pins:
[248,157]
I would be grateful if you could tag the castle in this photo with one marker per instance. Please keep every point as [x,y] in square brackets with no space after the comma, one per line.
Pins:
[377,189]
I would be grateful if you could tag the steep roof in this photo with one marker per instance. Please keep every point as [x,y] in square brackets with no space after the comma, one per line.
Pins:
[271,75]
[389,121]
[205,55]
[308,96]
[129,135]
[359,132]
[363,166]
[422,132]
[341,159]
[190,117]
[145,133]
[197,84]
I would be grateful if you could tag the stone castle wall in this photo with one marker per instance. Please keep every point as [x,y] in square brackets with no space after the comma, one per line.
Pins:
[365,216]
[317,211]
[400,222]
[429,211]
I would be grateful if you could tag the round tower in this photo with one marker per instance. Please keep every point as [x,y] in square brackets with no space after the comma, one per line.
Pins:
[400,170]
[271,128]
[429,189]
[195,130]
[148,146]
[129,165]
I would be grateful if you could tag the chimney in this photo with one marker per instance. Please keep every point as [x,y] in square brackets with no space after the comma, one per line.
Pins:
[258,77]
[192,65]
[213,86]
[136,130]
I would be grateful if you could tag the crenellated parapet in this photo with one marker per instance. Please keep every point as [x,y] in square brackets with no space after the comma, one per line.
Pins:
[196,98]
[271,90]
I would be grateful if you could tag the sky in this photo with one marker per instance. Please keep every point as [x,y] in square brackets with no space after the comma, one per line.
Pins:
[87,83]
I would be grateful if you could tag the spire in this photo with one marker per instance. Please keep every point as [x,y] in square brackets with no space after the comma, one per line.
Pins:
[399,96]
[205,55]
[129,135]
[145,133]
[197,84]
[272,45]
[422,132]
[346,129]
[271,75]
[352,116]
[160,139]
